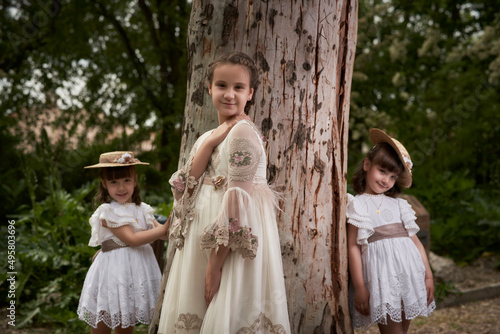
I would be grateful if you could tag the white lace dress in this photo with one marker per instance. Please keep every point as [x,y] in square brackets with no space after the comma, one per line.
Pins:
[393,269]
[231,204]
[122,285]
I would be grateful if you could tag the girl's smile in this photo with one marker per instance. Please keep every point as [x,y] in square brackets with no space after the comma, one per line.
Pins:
[121,190]
[378,179]
[230,90]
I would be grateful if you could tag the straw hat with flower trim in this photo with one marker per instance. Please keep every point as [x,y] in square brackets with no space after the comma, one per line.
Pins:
[379,136]
[117,159]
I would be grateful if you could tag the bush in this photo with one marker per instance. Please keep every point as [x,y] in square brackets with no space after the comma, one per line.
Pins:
[465,222]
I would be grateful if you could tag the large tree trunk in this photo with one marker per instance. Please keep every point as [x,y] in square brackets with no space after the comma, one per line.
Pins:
[305,51]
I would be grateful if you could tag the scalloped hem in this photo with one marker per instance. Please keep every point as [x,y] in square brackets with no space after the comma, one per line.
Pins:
[394,314]
[111,321]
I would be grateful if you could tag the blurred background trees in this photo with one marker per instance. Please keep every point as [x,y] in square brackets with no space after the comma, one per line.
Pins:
[78,78]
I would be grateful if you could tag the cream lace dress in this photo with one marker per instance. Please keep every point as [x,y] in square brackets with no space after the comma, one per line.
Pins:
[122,285]
[232,205]
[393,268]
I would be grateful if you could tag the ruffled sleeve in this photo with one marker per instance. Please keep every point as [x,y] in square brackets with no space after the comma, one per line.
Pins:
[115,216]
[357,215]
[185,189]
[233,225]
[232,228]
[408,217]
[148,215]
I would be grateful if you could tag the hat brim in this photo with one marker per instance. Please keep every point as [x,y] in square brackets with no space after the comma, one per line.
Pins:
[100,165]
[378,136]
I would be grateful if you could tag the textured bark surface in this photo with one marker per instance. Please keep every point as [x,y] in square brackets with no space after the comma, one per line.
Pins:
[305,51]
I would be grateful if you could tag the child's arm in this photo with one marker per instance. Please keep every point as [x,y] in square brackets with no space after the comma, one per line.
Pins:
[202,155]
[134,239]
[214,272]
[361,293]
[429,278]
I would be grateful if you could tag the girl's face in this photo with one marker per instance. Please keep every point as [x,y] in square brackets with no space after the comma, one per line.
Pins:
[121,190]
[378,179]
[230,90]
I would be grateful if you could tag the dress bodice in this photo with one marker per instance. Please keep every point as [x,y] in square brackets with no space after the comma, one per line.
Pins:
[219,161]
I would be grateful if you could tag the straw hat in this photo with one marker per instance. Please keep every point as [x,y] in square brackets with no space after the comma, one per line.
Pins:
[117,159]
[379,136]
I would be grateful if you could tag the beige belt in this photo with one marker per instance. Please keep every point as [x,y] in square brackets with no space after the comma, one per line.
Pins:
[396,230]
[109,245]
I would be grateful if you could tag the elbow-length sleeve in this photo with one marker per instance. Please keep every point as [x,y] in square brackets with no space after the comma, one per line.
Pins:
[357,215]
[235,224]
[185,189]
[408,217]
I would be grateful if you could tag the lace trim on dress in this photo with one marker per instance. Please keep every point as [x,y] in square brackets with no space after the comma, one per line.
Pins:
[262,323]
[408,217]
[243,159]
[185,189]
[380,313]
[358,216]
[188,321]
[116,319]
[238,238]
[147,291]
[148,215]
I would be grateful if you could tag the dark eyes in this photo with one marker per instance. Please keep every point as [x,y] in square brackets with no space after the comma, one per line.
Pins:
[116,181]
[384,171]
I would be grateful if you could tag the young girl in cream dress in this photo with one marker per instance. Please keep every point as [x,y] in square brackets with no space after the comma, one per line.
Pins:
[227,274]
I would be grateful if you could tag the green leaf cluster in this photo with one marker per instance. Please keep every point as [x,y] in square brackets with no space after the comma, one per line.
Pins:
[96,65]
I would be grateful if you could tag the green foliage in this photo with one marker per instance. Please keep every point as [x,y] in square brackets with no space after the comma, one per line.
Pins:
[103,64]
[52,255]
[443,290]
[466,220]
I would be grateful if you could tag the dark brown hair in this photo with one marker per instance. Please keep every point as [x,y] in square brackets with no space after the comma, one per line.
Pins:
[384,156]
[237,58]
[114,173]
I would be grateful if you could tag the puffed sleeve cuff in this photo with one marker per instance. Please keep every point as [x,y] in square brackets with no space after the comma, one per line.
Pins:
[95,224]
[233,225]
[148,215]
[114,217]
[358,216]
[408,217]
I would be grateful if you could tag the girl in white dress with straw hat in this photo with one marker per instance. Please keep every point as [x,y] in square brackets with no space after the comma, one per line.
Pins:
[391,280]
[122,284]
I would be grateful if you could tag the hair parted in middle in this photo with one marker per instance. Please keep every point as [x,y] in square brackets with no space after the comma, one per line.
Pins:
[115,173]
[237,58]
[384,156]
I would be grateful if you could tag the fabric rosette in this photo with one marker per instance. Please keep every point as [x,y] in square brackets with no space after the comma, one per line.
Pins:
[219,181]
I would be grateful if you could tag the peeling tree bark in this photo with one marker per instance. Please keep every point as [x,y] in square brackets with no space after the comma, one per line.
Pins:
[305,51]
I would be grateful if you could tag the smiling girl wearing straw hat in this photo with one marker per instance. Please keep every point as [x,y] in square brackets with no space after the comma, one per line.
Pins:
[392,281]
[122,284]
